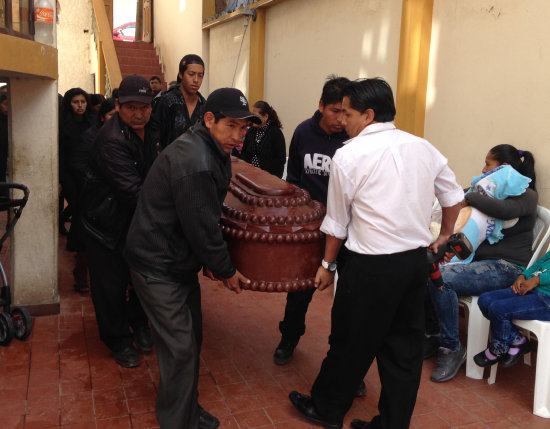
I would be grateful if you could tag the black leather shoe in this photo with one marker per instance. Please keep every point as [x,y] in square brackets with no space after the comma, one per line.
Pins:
[483,361]
[361,390]
[510,360]
[143,339]
[207,420]
[283,352]
[127,357]
[306,408]
[359,424]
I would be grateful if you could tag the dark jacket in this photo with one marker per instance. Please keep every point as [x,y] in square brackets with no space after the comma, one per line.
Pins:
[516,244]
[271,151]
[119,161]
[172,116]
[309,156]
[175,230]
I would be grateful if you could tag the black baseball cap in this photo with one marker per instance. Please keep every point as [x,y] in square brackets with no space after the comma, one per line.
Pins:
[231,103]
[135,88]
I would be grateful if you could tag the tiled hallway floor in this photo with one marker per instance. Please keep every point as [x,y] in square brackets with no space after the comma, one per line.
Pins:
[63,376]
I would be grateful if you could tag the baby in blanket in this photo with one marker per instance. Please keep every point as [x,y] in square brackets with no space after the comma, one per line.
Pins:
[501,182]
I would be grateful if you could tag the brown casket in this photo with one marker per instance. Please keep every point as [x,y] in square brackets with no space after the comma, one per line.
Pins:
[272,230]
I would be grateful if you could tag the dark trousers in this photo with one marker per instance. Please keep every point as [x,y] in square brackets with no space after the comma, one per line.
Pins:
[293,326]
[117,307]
[378,312]
[174,310]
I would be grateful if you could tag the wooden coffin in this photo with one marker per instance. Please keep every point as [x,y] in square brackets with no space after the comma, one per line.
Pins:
[272,230]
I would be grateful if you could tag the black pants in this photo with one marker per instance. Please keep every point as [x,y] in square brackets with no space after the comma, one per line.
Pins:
[117,307]
[293,326]
[378,312]
[174,310]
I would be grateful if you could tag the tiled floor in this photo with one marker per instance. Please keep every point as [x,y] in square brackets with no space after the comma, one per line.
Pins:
[63,376]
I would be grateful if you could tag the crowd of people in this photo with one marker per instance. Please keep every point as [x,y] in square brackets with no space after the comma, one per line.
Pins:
[143,176]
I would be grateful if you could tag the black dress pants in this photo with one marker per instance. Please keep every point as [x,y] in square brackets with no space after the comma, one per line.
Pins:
[117,307]
[174,310]
[293,326]
[378,312]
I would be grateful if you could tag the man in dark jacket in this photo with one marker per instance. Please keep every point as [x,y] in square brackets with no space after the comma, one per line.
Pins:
[123,152]
[174,233]
[181,106]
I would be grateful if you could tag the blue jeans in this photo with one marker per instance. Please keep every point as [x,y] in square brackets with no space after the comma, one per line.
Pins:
[467,280]
[501,306]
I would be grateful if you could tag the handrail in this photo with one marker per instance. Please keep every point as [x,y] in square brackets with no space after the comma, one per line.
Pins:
[106,47]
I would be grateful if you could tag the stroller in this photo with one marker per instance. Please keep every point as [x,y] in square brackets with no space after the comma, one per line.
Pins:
[16,322]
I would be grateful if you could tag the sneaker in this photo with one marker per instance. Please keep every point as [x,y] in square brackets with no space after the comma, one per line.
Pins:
[127,357]
[283,352]
[143,339]
[207,420]
[448,364]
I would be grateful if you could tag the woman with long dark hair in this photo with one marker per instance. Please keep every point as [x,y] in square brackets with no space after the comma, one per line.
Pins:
[264,144]
[75,119]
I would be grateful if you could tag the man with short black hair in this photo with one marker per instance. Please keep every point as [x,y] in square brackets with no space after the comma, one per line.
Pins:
[123,152]
[174,233]
[156,86]
[182,105]
[312,146]
[382,185]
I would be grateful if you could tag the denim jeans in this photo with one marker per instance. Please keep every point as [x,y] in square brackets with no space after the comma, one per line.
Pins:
[467,280]
[501,306]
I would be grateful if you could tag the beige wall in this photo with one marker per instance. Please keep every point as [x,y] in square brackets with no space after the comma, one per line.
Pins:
[178,31]
[306,40]
[73,44]
[488,83]
[225,66]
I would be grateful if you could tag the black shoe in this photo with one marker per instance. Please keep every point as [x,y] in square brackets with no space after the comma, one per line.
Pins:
[306,408]
[510,360]
[283,352]
[430,346]
[143,339]
[207,420]
[127,357]
[361,390]
[483,361]
[359,424]
[81,287]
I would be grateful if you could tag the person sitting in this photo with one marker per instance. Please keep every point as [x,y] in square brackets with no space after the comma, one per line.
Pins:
[494,265]
[527,299]
[264,144]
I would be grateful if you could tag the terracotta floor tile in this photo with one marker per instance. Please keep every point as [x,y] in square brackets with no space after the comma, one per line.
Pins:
[281,413]
[116,423]
[456,416]
[142,405]
[81,425]
[77,412]
[12,422]
[431,421]
[485,412]
[43,420]
[209,395]
[295,424]
[16,407]
[139,389]
[239,404]
[528,420]
[216,408]
[108,410]
[144,421]
[104,396]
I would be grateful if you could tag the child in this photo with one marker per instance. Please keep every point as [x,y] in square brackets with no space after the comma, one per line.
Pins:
[527,299]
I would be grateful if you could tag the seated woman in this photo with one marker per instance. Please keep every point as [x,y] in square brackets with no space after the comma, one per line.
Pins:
[494,265]
[527,299]
[264,144]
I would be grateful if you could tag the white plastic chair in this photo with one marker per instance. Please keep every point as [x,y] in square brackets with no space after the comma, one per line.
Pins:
[478,325]
[541,403]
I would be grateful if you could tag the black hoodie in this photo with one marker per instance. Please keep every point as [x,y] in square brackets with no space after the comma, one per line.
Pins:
[309,156]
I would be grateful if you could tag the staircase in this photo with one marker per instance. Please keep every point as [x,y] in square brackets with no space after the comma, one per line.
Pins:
[138,58]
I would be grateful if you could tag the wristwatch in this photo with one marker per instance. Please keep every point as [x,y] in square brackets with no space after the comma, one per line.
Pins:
[330,266]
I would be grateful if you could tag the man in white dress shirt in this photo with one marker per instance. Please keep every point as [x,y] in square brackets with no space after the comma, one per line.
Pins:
[382,184]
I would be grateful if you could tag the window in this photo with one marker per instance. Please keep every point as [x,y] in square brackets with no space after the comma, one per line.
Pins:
[16,17]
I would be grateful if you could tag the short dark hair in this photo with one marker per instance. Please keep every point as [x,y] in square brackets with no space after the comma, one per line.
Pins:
[189,59]
[332,89]
[106,106]
[155,78]
[375,94]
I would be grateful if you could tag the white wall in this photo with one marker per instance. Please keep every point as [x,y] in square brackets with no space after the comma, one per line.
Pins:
[307,40]
[73,44]
[177,32]
[488,83]
[226,67]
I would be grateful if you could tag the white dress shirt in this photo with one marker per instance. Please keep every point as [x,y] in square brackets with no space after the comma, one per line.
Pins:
[381,190]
